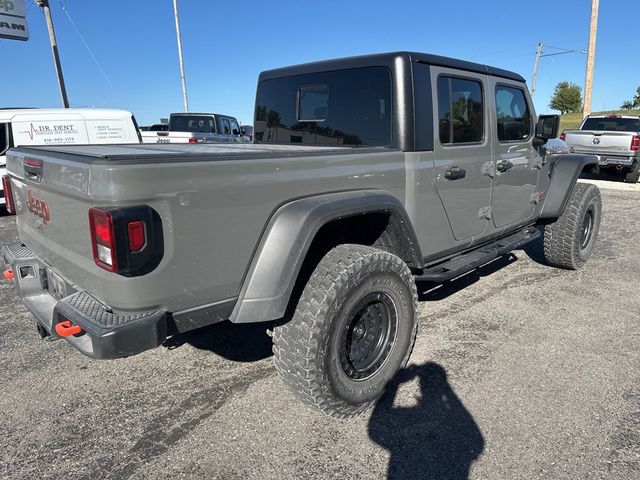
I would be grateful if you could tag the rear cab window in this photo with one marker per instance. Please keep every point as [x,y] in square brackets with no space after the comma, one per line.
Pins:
[460,110]
[512,114]
[344,107]
[612,124]
[192,123]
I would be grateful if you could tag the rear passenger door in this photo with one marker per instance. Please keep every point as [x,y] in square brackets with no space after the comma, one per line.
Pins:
[462,149]
[517,163]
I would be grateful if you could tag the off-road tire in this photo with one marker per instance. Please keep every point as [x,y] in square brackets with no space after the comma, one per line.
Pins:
[564,242]
[307,350]
[632,176]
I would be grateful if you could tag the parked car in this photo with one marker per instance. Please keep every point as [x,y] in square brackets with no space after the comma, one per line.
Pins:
[198,128]
[57,126]
[614,139]
[373,172]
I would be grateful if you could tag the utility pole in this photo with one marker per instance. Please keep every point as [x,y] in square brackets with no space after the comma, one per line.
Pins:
[535,68]
[588,82]
[54,48]
[182,79]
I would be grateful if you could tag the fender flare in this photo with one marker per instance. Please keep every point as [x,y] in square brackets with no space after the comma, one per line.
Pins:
[276,263]
[565,170]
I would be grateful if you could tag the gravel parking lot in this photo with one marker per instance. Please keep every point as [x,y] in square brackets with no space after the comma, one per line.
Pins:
[519,371]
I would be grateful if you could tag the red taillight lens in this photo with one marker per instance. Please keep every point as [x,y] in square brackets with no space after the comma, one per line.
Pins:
[103,239]
[193,140]
[563,136]
[137,237]
[635,143]
[8,195]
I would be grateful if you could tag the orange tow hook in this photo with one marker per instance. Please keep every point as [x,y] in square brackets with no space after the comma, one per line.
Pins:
[8,274]
[65,329]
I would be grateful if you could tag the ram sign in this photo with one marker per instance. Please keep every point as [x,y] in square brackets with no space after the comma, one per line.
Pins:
[13,20]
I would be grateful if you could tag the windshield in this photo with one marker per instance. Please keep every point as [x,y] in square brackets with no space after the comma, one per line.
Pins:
[191,123]
[614,124]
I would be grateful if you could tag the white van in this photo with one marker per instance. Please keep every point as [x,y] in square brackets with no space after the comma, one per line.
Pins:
[59,126]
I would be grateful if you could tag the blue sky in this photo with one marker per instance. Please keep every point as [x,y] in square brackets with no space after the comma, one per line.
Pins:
[226,45]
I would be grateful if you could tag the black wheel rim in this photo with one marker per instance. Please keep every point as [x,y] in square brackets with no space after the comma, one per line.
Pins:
[368,336]
[587,228]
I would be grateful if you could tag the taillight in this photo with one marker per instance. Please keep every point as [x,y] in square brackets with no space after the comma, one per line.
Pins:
[8,195]
[127,240]
[193,140]
[563,136]
[635,143]
[103,239]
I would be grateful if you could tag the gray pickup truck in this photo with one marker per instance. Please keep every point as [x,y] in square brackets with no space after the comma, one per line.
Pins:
[614,139]
[369,174]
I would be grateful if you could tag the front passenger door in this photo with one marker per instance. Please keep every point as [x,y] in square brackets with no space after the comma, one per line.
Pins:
[517,162]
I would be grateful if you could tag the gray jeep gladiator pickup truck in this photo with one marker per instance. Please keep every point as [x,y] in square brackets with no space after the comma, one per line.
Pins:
[368,174]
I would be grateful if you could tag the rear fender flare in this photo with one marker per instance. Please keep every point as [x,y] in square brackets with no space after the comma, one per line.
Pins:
[283,247]
[564,171]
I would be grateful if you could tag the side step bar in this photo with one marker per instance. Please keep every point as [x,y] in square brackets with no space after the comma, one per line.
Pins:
[466,262]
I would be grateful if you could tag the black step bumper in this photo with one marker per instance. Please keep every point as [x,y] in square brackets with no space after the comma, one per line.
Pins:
[105,333]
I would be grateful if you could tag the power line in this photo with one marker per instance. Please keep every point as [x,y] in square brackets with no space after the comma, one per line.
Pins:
[86,45]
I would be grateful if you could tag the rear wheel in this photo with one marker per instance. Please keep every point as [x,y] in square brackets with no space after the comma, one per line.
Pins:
[633,175]
[570,240]
[353,329]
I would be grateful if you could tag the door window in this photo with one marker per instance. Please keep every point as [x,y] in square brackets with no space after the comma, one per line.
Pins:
[512,113]
[226,126]
[460,111]
[4,138]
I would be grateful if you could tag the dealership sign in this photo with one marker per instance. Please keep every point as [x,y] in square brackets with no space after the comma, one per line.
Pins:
[13,20]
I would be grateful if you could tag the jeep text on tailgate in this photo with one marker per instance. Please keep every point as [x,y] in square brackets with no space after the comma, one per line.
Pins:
[369,173]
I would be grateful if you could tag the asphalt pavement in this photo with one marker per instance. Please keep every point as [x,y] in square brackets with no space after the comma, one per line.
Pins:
[520,371]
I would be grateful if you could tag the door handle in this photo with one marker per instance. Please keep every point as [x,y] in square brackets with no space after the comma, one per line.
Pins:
[504,165]
[454,173]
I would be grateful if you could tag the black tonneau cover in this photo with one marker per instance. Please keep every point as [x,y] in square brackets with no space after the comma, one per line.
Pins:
[123,154]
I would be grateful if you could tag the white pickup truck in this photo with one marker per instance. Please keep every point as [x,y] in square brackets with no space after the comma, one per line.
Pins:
[198,128]
[614,139]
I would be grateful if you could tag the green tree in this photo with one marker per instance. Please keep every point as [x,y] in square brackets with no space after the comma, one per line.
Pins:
[636,99]
[626,105]
[567,98]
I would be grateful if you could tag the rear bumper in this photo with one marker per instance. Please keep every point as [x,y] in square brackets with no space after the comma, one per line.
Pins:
[613,160]
[106,334]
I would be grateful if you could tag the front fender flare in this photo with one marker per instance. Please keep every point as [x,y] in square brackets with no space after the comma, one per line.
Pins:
[275,266]
[565,170]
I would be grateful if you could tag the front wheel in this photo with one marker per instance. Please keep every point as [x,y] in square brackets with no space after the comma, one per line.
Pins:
[570,240]
[353,328]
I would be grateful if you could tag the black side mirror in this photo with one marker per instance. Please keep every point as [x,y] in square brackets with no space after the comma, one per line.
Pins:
[547,126]
[236,131]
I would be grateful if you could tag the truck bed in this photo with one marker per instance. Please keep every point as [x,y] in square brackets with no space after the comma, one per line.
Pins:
[208,197]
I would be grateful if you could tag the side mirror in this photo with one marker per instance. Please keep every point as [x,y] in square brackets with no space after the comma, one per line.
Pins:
[547,126]
[235,131]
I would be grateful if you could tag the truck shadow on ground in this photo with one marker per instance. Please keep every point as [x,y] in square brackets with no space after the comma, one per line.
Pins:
[246,342]
[435,439]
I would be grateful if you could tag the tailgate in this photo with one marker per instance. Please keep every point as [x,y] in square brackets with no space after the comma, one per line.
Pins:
[52,203]
[600,142]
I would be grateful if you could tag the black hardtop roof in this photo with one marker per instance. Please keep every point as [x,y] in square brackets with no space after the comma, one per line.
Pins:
[388,59]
